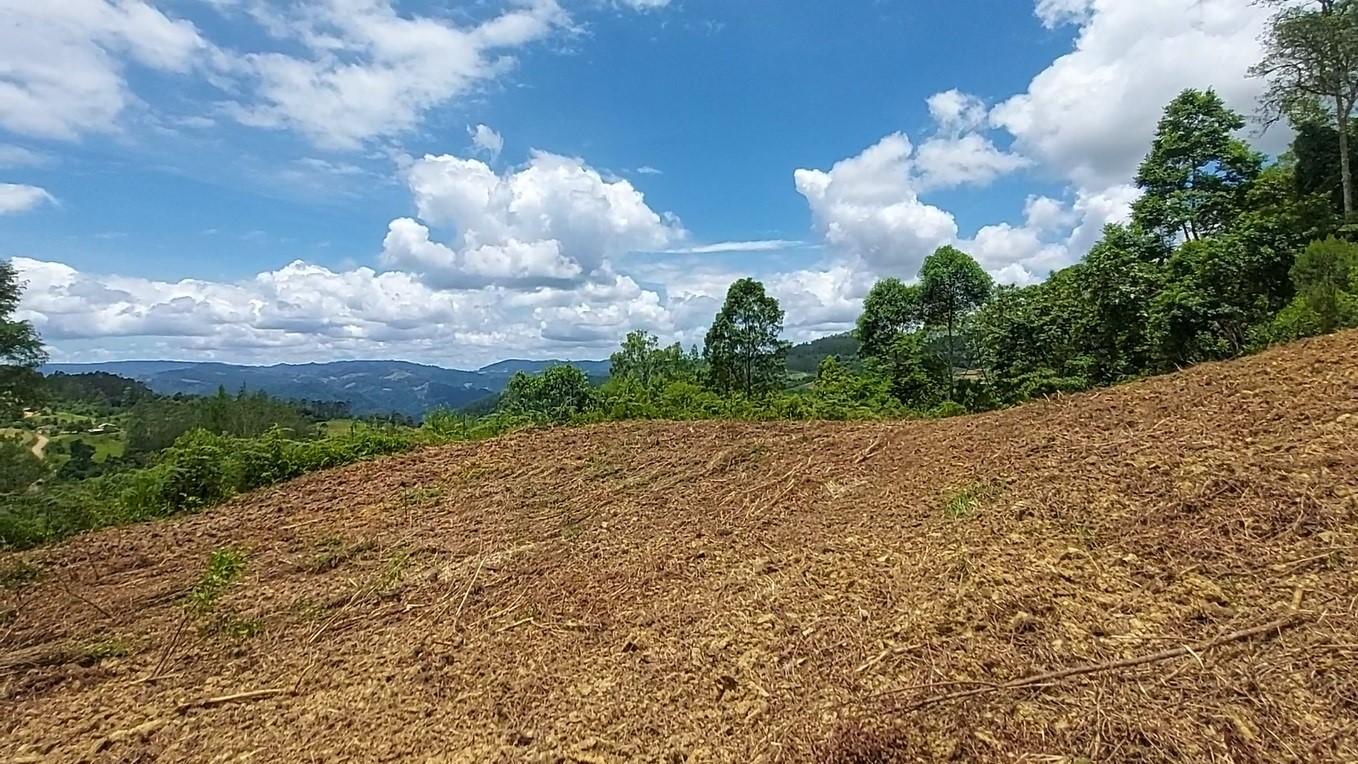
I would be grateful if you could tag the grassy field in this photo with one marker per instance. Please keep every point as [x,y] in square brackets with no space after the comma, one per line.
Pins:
[336,426]
[106,446]
[111,446]
[10,432]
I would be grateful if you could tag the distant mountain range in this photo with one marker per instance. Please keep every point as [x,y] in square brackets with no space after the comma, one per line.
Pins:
[371,387]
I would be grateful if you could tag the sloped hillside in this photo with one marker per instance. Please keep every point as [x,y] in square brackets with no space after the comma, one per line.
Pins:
[1164,571]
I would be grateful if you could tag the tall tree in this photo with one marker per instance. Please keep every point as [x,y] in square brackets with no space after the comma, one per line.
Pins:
[1316,169]
[744,350]
[1311,59]
[20,350]
[952,286]
[1197,173]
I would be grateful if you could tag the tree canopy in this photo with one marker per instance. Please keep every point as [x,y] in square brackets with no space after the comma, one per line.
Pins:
[744,349]
[21,351]
[1311,65]
[1197,172]
[951,287]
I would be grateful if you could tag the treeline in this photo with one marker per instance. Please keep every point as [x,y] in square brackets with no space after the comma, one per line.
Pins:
[1225,253]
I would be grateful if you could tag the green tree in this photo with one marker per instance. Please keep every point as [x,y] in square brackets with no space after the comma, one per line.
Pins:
[1311,63]
[1036,340]
[842,393]
[952,286]
[635,360]
[99,389]
[891,308]
[1210,303]
[556,395]
[1196,174]
[642,361]
[154,425]
[917,373]
[1117,283]
[81,464]
[21,351]
[1324,274]
[19,466]
[743,350]
[1317,165]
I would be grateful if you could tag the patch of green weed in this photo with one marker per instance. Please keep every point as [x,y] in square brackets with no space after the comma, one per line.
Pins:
[224,566]
[394,571]
[104,649]
[963,502]
[239,628]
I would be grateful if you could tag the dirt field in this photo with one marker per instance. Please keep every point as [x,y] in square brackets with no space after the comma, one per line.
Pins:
[731,592]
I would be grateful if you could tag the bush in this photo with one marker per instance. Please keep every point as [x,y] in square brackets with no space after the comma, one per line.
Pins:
[445,424]
[199,471]
[265,461]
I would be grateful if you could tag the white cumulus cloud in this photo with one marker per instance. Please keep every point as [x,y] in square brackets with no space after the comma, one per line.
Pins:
[305,311]
[555,219]
[867,207]
[956,112]
[1090,115]
[970,159]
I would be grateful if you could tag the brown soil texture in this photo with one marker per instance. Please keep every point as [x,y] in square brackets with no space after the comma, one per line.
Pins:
[704,592]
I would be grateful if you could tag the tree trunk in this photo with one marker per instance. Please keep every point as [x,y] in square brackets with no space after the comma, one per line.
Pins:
[749,372]
[1345,171]
[952,360]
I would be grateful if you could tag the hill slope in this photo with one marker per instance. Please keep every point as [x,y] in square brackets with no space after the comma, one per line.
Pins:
[737,592]
[372,387]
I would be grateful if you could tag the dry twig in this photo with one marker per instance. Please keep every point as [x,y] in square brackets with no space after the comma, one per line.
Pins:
[1094,668]
[239,697]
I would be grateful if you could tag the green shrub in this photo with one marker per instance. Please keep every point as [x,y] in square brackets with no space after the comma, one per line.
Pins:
[445,424]
[199,471]
[202,469]
[265,461]
[224,566]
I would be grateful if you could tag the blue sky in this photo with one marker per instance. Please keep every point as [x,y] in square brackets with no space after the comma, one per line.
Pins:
[287,181]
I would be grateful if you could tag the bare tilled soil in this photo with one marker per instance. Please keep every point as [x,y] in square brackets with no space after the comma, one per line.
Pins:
[1164,571]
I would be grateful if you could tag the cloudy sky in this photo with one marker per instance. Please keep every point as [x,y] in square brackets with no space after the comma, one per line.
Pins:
[461,181]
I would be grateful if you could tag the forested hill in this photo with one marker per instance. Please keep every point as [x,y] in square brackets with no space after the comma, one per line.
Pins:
[384,387]
[371,387]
